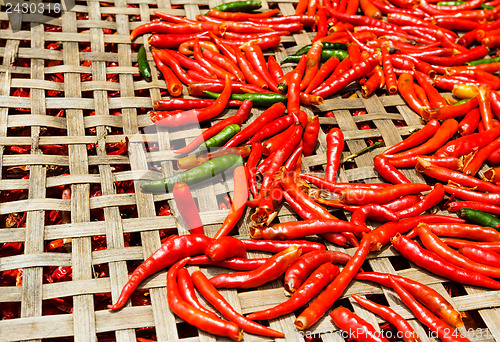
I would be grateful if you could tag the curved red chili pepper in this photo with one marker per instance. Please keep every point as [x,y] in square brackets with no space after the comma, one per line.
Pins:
[174,86]
[320,277]
[254,55]
[387,171]
[426,295]
[194,316]
[380,196]
[301,268]
[360,215]
[172,251]
[200,114]
[324,71]
[172,41]
[472,166]
[426,203]
[231,263]
[461,230]
[356,328]
[188,294]
[437,265]
[381,235]
[407,332]
[272,128]
[434,244]
[298,229]
[334,290]
[274,267]
[424,315]
[225,63]
[214,297]
[480,255]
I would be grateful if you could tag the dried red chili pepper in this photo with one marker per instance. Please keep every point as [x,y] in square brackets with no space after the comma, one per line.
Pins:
[194,316]
[435,264]
[334,290]
[274,267]
[320,277]
[215,298]
[172,251]
[387,171]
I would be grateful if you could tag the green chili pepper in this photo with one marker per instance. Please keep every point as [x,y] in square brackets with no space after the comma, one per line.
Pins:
[195,175]
[239,6]
[220,138]
[460,102]
[143,64]
[484,61]
[456,3]
[478,217]
[325,55]
[258,99]
[326,46]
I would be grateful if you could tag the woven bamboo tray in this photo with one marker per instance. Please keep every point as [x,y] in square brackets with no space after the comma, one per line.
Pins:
[98,83]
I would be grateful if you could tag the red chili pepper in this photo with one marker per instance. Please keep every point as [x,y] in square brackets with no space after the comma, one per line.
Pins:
[293,103]
[334,290]
[238,205]
[254,55]
[407,332]
[335,145]
[172,251]
[200,114]
[310,135]
[461,230]
[435,98]
[232,263]
[301,268]
[187,208]
[415,139]
[172,41]
[437,265]
[164,27]
[217,86]
[287,146]
[248,71]
[194,316]
[387,171]
[473,164]
[480,255]
[185,104]
[252,162]
[356,328]
[426,203]
[359,20]
[469,123]
[406,88]
[326,69]
[225,63]
[215,298]
[360,215]
[240,16]
[174,86]
[298,229]
[380,196]
[426,317]
[451,163]
[426,295]
[270,114]
[272,128]
[225,247]
[347,77]
[240,117]
[272,269]
[434,244]
[381,235]
[320,277]
[322,24]
[397,204]
[187,292]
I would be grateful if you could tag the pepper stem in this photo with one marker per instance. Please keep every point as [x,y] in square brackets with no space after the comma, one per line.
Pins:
[363,151]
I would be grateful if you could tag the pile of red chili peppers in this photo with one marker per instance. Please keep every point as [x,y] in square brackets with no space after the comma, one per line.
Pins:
[219,56]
